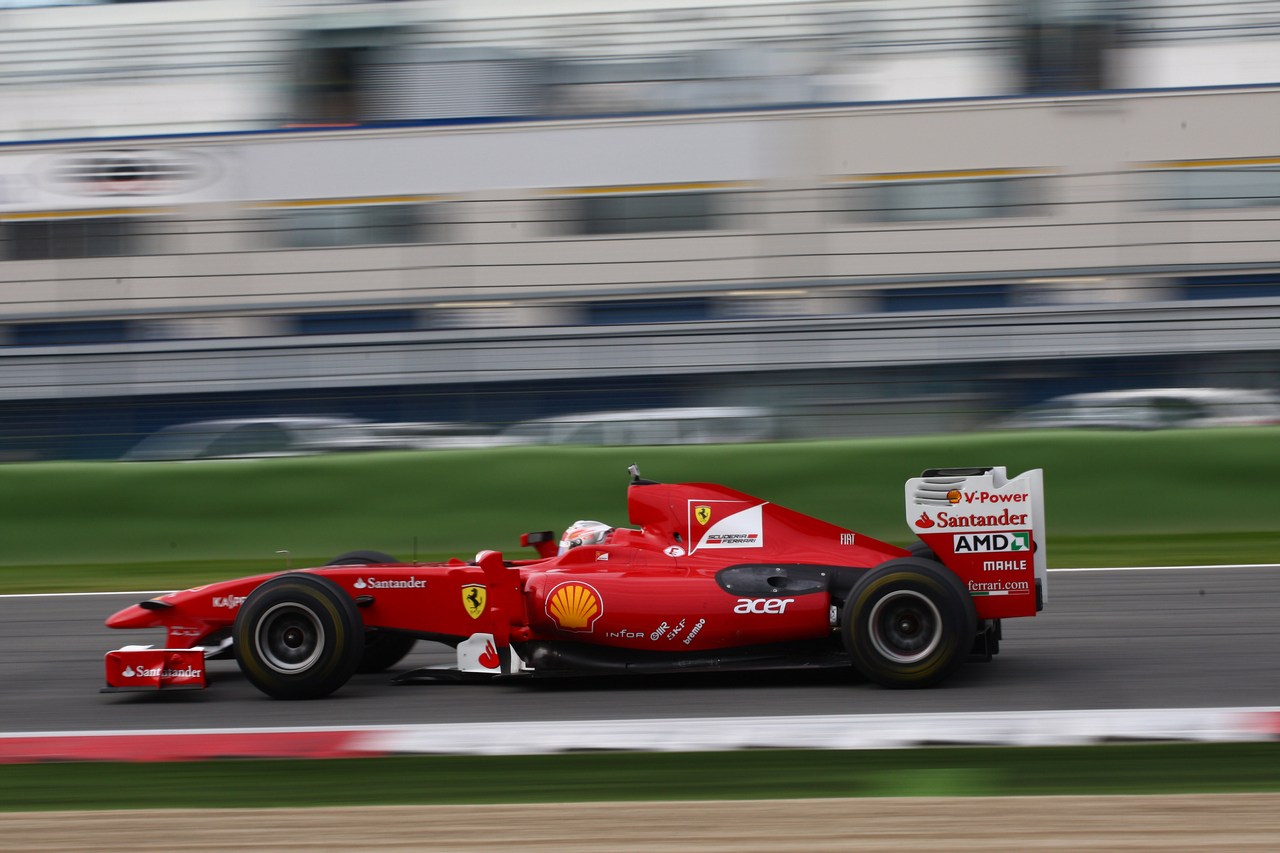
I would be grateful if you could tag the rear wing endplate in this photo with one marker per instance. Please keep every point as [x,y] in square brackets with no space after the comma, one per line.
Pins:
[990,530]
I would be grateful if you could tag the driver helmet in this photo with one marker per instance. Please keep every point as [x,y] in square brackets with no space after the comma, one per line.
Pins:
[584,533]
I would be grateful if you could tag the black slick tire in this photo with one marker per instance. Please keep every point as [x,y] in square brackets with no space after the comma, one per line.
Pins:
[361,558]
[382,649]
[908,623]
[919,549]
[298,636]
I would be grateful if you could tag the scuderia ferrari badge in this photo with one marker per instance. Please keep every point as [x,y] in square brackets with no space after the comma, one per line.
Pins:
[473,598]
[702,513]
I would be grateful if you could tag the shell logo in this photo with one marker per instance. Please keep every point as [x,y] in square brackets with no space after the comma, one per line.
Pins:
[574,606]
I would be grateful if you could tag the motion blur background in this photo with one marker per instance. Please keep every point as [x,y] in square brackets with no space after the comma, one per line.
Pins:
[825,219]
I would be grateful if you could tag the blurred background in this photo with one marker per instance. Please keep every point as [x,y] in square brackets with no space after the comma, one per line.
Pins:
[274,227]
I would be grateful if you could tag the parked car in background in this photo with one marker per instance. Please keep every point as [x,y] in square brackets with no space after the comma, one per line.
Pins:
[695,425]
[253,438]
[1152,408]
[430,435]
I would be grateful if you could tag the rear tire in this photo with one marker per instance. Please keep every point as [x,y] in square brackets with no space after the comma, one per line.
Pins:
[382,649]
[361,558]
[919,549]
[908,623]
[298,636]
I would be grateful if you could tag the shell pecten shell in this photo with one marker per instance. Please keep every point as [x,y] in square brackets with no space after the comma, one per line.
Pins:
[574,606]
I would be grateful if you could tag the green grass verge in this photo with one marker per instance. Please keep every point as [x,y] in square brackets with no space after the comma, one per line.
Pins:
[1167,497]
[1169,549]
[766,774]
[1086,551]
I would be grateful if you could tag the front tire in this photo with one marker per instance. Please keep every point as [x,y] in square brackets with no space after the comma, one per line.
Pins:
[908,623]
[298,636]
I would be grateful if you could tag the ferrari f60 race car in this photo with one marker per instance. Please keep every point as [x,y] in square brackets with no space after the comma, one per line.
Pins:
[707,579]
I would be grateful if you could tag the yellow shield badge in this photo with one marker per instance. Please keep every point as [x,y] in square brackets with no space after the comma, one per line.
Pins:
[473,599]
[702,513]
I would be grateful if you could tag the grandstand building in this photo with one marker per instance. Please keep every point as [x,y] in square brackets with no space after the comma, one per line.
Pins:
[885,216]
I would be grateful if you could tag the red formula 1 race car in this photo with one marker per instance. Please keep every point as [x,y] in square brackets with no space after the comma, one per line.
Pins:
[708,578]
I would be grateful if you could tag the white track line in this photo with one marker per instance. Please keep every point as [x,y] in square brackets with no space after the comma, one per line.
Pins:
[701,734]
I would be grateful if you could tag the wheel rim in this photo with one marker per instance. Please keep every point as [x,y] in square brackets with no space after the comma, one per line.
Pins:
[905,626]
[290,637]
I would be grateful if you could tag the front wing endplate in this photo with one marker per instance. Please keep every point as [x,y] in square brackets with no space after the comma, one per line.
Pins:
[135,668]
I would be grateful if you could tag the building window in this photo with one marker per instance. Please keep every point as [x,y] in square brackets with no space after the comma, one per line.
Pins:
[355,322]
[88,237]
[329,71]
[623,311]
[1216,188]
[952,198]
[646,213]
[1244,286]
[70,332]
[1065,46]
[949,298]
[349,225]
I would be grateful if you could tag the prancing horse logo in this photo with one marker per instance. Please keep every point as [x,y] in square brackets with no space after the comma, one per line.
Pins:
[702,513]
[473,598]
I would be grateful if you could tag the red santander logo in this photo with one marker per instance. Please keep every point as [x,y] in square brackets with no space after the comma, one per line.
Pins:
[489,658]
[949,520]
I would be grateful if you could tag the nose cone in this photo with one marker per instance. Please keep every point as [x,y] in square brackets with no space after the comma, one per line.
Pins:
[134,616]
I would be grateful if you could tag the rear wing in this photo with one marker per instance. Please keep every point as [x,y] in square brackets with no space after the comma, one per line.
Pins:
[989,530]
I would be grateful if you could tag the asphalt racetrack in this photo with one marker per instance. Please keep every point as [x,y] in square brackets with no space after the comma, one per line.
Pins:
[1123,638]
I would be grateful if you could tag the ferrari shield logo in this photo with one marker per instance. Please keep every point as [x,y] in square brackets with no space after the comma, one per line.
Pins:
[473,599]
[702,513]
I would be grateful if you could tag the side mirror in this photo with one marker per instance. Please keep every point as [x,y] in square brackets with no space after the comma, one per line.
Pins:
[544,542]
